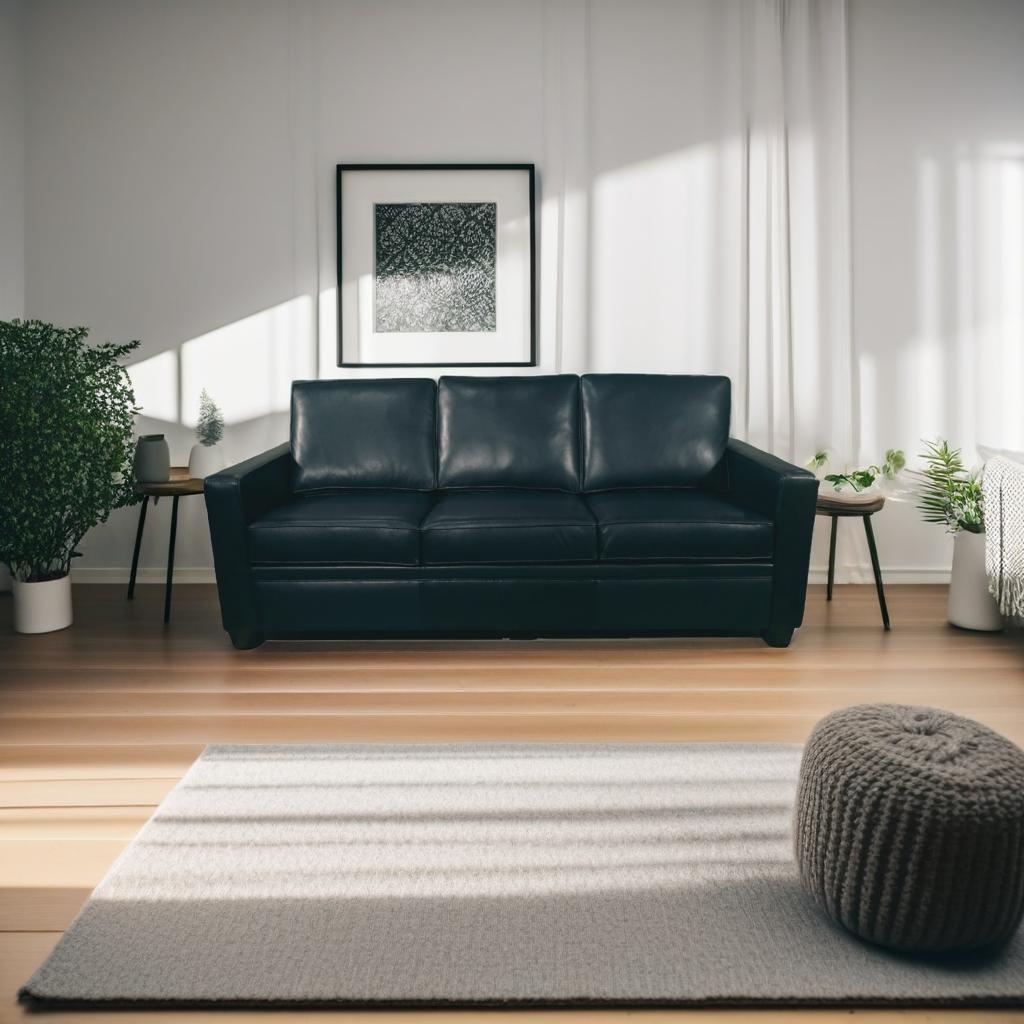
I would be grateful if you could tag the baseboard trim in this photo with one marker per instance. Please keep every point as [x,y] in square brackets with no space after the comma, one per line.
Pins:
[185,574]
[201,574]
[863,574]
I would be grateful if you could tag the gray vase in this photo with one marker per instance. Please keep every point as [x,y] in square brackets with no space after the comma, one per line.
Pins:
[152,459]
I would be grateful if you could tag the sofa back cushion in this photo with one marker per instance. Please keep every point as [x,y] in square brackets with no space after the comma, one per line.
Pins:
[363,433]
[509,432]
[644,430]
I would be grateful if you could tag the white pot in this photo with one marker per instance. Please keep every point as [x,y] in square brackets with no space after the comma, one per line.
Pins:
[971,606]
[205,460]
[42,607]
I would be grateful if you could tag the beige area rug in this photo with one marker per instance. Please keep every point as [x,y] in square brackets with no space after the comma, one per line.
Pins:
[481,874]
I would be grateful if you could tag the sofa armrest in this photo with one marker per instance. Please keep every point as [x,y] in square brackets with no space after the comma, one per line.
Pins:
[234,498]
[251,487]
[785,494]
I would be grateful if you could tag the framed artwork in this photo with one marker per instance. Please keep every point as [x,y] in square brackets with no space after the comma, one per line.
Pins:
[436,265]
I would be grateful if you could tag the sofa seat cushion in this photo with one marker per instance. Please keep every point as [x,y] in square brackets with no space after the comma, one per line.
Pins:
[509,526]
[677,525]
[353,527]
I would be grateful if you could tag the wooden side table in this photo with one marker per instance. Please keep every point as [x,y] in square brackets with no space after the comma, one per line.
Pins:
[179,485]
[836,508]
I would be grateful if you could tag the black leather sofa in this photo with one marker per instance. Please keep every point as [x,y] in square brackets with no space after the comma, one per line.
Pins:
[607,505]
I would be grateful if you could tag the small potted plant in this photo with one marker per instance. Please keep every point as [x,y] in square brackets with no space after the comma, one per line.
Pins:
[66,419]
[952,496]
[207,457]
[858,481]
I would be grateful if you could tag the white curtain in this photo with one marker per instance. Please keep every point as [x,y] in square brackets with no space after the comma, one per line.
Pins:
[797,376]
[696,204]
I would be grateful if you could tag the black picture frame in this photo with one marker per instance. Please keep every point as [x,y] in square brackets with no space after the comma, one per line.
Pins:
[528,169]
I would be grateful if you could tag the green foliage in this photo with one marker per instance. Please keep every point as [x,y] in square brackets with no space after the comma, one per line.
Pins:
[895,460]
[66,423]
[860,479]
[948,493]
[210,428]
[817,461]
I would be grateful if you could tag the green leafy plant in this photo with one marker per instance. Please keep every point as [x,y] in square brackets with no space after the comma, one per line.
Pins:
[819,460]
[210,428]
[949,494]
[860,479]
[66,423]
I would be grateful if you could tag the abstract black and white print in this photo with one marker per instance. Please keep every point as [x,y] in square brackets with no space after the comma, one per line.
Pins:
[435,266]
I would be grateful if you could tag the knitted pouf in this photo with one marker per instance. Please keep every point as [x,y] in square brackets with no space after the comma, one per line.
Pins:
[910,827]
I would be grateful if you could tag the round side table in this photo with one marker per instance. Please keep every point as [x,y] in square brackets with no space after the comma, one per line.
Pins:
[836,509]
[179,485]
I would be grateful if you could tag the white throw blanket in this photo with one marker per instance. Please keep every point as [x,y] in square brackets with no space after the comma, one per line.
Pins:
[1003,487]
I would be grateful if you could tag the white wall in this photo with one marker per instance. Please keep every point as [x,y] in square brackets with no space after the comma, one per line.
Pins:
[180,190]
[12,174]
[12,160]
[447,81]
[163,203]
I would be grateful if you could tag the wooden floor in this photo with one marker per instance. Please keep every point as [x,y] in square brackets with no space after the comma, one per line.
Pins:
[98,722]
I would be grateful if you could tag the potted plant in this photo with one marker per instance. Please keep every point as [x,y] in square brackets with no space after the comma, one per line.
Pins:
[858,481]
[950,495]
[66,418]
[207,456]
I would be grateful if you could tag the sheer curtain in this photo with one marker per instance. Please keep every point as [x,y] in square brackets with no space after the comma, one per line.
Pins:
[797,378]
[696,204]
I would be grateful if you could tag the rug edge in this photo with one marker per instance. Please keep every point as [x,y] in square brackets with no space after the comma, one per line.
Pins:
[34,1002]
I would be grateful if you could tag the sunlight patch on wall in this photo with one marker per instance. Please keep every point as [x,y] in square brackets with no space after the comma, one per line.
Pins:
[248,366]
[155,381]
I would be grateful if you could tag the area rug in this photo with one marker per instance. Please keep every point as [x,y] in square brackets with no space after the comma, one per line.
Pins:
[364,875]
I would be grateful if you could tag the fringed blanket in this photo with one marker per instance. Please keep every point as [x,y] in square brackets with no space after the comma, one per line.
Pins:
[1003,487]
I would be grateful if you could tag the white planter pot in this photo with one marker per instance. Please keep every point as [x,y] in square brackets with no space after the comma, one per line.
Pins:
[205,460]
[42,607]
[971,606]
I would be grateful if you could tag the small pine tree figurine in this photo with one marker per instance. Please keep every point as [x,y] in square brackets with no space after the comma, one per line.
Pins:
[210,428]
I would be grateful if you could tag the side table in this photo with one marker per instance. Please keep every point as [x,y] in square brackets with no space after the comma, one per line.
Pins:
[179,485]
[837,508]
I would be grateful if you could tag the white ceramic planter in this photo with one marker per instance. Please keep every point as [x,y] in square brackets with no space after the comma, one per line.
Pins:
[971,606]
[42,607]
[205,460]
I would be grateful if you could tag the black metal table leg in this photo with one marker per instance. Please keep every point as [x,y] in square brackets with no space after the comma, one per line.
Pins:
[878,572]
[138,547]
[832,555]
[170,560]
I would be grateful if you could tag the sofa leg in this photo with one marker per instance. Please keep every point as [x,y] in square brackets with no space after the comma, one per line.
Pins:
[777,637]
[245,639]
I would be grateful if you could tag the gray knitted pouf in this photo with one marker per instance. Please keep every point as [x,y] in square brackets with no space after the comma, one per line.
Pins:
[910,827]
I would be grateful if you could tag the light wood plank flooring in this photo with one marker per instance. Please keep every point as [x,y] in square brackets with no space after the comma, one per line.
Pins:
[98,722]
